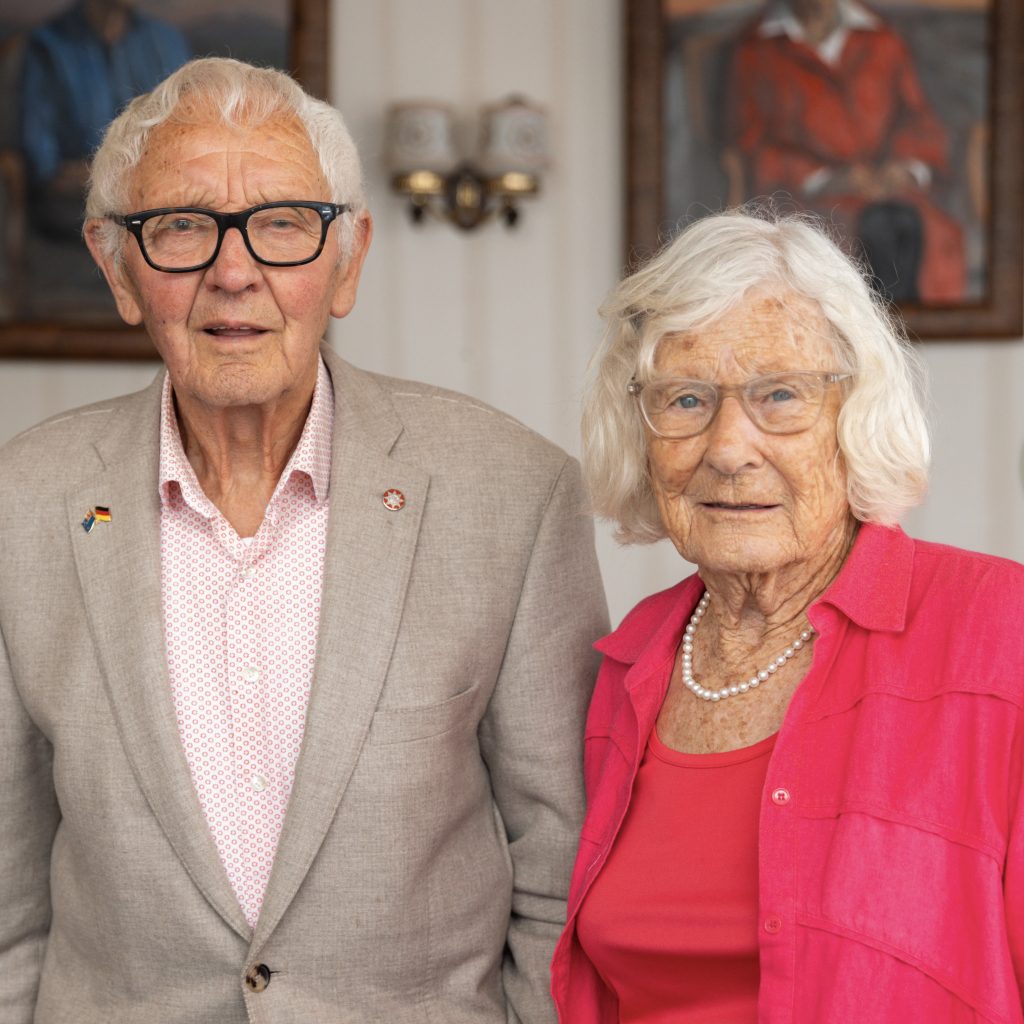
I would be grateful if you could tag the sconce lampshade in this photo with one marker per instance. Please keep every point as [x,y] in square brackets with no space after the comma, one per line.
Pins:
[513,137]
[425,167]
[420,137]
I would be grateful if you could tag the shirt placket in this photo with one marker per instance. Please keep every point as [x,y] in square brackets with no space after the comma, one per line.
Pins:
[778,881]
[253,772]
[786,795]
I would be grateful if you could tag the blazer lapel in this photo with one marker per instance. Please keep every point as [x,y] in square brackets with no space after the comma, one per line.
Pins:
[370,554]
[118,565]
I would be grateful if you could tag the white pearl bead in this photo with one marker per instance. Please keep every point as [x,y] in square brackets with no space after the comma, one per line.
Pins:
[686,662]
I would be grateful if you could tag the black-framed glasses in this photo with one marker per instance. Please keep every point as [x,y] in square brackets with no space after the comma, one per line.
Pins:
[780,403]
[180,239]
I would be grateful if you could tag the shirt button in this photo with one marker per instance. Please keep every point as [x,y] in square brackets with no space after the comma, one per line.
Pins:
[251,674]
[258,782]
[248,572]
[772,925]
[780,796]
[258,977]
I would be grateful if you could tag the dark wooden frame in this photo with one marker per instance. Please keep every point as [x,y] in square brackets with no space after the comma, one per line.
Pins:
[39,339]
[999,315]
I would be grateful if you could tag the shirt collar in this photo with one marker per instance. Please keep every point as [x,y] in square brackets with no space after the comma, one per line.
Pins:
[653,627]
[872,590]
[780,20]
[312,454]
[873,586]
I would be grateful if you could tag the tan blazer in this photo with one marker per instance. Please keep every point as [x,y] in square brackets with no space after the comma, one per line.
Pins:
[423,867]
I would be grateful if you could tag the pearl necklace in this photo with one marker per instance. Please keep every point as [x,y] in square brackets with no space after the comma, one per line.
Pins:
[748,684]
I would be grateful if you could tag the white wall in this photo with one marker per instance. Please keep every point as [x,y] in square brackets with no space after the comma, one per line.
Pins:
[511,316]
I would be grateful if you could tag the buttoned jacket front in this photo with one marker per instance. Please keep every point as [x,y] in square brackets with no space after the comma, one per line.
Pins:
[891,857]
[438,792]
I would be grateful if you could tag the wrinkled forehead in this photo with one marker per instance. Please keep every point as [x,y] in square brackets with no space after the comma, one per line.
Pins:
[767,332]
[197,150]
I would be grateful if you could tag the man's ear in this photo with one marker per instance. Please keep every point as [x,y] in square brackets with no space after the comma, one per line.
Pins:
[114,271]
[348,279]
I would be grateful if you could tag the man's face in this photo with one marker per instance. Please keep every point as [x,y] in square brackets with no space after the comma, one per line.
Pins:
[237,333]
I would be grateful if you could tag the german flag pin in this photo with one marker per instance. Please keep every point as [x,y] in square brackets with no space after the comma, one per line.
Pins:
[99,514]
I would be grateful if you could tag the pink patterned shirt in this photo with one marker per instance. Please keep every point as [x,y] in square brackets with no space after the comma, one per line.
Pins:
[241,617]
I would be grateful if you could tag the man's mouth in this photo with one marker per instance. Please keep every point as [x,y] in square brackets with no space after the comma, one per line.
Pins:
[228,330]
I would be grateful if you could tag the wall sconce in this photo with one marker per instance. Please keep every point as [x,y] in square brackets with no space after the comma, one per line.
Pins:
[423,159]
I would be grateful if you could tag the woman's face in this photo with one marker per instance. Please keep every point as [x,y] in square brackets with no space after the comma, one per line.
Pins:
[735,498]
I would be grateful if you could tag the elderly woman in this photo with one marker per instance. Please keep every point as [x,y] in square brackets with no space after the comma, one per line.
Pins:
[803,763]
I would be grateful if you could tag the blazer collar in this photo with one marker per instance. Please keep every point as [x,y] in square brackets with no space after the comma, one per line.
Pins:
[369,563]
[118,566]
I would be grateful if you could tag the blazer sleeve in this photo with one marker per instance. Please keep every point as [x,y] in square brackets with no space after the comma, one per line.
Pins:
[28,821]
[532,736]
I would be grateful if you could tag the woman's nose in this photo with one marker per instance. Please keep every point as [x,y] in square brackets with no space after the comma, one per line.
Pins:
[733,439]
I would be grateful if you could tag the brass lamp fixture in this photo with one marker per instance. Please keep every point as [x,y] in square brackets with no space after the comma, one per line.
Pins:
[425,168]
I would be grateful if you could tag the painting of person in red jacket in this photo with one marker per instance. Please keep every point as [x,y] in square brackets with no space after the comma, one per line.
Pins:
[826,106]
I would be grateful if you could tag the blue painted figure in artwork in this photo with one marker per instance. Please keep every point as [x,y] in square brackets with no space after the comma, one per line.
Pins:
[79,70]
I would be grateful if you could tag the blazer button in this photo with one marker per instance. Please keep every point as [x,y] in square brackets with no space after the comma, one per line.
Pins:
[258,977]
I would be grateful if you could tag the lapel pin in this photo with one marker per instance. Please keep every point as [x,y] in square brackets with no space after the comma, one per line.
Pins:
[393,499]
[99,514]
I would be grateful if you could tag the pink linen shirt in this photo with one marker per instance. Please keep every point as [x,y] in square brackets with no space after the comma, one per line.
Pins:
[241,617]
[891,836]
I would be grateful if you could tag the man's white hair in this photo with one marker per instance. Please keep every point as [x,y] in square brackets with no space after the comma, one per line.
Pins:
[238,94]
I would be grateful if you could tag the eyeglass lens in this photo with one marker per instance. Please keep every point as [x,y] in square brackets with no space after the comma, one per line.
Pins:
[779,404]
[283,234]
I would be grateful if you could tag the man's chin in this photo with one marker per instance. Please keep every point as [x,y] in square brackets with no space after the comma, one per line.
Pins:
[231,387]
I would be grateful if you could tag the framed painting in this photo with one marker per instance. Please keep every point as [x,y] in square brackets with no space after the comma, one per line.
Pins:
[900,123]
[53,302]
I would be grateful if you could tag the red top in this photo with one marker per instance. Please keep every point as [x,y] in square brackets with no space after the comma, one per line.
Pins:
[671,922]
[891,836]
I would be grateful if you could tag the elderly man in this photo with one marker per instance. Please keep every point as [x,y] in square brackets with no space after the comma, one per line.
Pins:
[294,658]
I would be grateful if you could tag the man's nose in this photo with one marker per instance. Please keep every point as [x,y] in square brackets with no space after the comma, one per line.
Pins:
[234,269]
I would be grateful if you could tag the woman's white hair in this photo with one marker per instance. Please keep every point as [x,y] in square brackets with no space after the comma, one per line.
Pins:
[695,280]
[240,95]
